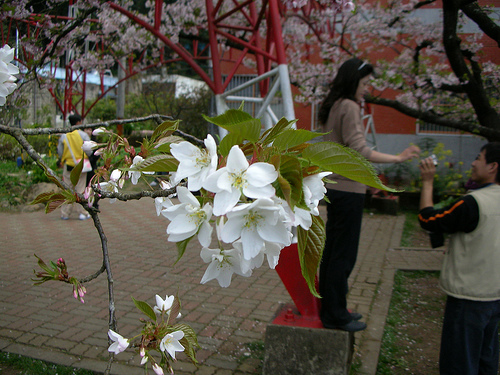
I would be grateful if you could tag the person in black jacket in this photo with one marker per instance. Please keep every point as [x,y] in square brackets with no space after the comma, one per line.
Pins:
[470,272]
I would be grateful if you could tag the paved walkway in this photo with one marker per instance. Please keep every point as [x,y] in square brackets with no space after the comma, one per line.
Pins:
[46,322]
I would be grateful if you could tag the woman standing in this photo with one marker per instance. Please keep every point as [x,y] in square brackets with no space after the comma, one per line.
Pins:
[340,114]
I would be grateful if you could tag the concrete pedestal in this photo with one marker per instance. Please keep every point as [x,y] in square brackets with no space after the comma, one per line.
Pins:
[307,351]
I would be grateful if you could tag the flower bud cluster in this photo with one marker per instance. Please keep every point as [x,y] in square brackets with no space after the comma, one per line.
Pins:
[58,271]
[160,335]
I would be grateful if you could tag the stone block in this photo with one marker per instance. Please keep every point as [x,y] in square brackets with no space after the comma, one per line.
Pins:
[306,351]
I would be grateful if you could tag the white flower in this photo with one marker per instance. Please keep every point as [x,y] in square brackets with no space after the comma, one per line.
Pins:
[109,187]
[170,343]
[314,189]
[255,223]
[157,369]
[163,305]
[188,218]
[134,174]
[144,357]
[115,175]
[89,146]
[247,265]
[272,251]
[302,217]
[223,263]
[238,177]
[7,69]
[120,343]
[194,163]
[349,6]
[99,131]
[112,185]
[163,202]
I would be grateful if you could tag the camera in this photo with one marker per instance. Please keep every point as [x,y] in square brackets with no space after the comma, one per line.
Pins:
[434,160]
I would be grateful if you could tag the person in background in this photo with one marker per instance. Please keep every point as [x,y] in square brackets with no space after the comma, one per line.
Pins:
[340,115]
[470,271]
[70,150]
[93,161]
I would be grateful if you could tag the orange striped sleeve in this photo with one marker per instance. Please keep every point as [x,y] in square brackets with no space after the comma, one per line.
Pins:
[442,214]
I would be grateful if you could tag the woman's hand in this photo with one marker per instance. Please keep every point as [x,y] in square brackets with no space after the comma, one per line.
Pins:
[410,153]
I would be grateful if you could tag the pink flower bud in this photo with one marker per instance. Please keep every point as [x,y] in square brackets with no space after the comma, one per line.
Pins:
[157,369]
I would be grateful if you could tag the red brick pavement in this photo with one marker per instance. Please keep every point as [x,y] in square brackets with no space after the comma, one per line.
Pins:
[46,322]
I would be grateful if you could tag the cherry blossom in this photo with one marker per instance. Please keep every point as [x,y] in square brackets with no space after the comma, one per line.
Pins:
[162,203]
[239,177]
[194,164]
[120,343]
[163,305]
[7,71]
[188,218]
[157,369]
[134,174]
[223,263]
[255,223]
[89,146]
[170,343]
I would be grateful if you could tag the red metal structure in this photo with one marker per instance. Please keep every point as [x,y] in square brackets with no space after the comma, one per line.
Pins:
[260,18]
[253,30]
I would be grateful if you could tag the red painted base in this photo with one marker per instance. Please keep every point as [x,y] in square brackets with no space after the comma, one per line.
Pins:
[290,316]
[305,312]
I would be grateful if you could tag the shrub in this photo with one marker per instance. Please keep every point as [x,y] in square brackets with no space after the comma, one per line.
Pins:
[449,179]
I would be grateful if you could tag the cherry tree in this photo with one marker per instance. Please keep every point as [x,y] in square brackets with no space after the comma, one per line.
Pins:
[431,71]
[255,189]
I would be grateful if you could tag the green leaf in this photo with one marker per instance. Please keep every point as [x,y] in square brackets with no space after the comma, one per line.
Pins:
[50,176]
[333,157]
[53,205]
[289,183]
[189,341]
[238,122]
[76,172]
[181,248]
[228,142]
[42,264]
[293,137]
[47,197]
[310,247]
[165,129]
[54,200]
[159,163]
[163,144]
[271,134]
[145,308]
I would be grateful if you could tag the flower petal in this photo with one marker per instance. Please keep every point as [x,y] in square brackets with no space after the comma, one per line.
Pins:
[236,160]
[260,174]
[224,201]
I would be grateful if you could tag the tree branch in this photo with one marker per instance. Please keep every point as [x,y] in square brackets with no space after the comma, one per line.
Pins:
[479,16]
[487,116]
[490,134]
